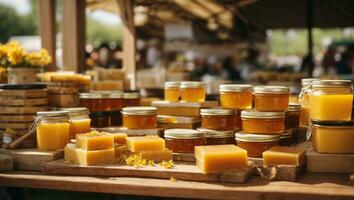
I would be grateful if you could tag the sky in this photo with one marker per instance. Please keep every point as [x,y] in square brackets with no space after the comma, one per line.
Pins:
[23,7]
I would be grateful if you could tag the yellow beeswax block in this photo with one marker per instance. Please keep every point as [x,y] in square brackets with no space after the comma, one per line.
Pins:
[282,155]
[220,158]
[120,138]
[95,140]
[80,156]
[156,155]
[145,143]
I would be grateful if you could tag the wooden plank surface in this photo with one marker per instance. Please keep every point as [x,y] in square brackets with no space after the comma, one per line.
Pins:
[6,163]
[330,163]
[9,101]
[180,171]
[310,186]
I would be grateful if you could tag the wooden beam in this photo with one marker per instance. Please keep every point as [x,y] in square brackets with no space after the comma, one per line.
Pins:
[129,40]
[73,31]
[47,29]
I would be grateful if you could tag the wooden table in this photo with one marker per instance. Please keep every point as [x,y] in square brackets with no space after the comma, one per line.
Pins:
[310,186]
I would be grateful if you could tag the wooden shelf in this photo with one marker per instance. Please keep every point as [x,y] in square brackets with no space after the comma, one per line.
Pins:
[310,186]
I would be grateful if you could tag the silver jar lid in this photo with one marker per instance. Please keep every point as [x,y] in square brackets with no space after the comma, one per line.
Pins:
[271,89]
[217,111]
[139,110]
[192,84]
[172,84]
[235,87]
[264,115]
[182,134]
[332,83]
[208,133]
[246,137]
[92,95]
[131,95]
[49,114]
[294,107]
[308,81]
[76,111]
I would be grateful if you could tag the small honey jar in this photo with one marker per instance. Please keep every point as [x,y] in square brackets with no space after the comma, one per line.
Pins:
[172,91]
[236,96]
[263,122]
[183,140]
[139,117]
[193,91]
[219,119]
[271,98]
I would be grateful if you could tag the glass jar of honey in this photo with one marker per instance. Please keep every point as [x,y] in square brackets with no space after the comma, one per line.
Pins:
[172,91]
[95,102]
[236,96]
[115,101]
[193,91]
[115,118]
[254,144]
[183,140]
[100,119]
[219,119]
[304,99]
[213,137]
[286,139]
[331,100]
[263,122]
[139,117]
[333,136]
[53,130]
[271,98]
[292,118]
[80,121]
[131,99]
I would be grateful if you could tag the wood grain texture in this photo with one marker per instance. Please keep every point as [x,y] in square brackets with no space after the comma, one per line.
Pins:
[180,171]
[6,163]
[17,118]
[24,93]
[15,125]
[21,109]
[310,186]
[330,163]
[9,101]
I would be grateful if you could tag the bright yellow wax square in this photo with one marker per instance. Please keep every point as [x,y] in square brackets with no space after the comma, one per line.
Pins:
[80,156]
[157,155]
[282,155]
[145,143]
[220,158]
[95,140]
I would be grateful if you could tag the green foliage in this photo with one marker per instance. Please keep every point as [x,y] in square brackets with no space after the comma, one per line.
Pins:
[13,24]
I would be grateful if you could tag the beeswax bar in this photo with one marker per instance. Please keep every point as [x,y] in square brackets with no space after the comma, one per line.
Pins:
[220,158]
[282,155]
[80,156]
[95,140]
[120,138]
[145,143]
[157,155]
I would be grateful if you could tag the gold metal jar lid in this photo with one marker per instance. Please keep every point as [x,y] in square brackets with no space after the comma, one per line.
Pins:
[92,95]
[264,115]
[139,110]
[308,81]
[332,83]
[76,111]
[192,84]
[131,95]
[172,84]
[111,94]
[182,134]
[246,137]
[271,89]
[217,111]
[235,87]
[208,133]
[294,107]
[54,114]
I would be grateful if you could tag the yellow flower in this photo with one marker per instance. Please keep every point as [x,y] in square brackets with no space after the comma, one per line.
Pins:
[3,51]
[15,55]
[39,59]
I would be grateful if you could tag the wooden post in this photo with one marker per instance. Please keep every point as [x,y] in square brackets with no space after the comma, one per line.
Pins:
[129,40]
[47,29]
[73,31]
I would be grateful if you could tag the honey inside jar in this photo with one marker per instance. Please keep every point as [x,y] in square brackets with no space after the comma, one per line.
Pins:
[80,121]
[331,100]
[271,98]
[183,140]
[53,130]
[292,118]
[115,101]
[219,119]
[255,144]
[193,91]
[92,101]
[263,122]
[304,99]
[131,99]
[172,91]
[213,137]
[236,96]
[139,117]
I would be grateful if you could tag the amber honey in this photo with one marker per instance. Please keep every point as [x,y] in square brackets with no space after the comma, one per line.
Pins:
[131,99]
[79,121]
[254,144]
[139,117]
[100,119]
[183,140]
[193,92]
[213,137]
[172,91]
[304,99]
[236,96]
[263,122]
[219,119]
[271,98]
[292,118]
